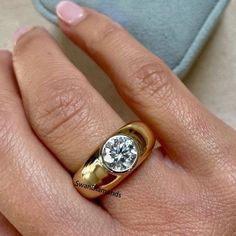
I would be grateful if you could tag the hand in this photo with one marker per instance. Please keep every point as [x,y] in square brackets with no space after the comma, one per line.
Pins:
[189,190]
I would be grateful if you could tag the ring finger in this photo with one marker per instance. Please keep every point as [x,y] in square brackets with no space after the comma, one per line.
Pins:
[66,112]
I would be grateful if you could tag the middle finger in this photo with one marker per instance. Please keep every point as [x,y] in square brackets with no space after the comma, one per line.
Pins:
[64,109]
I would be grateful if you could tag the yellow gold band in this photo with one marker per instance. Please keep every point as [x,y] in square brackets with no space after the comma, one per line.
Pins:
[114,160]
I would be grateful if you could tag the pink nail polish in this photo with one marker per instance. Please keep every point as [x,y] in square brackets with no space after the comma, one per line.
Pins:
[20,32]
[70,13]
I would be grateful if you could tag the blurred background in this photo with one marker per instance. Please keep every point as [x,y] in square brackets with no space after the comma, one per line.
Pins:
[212,78]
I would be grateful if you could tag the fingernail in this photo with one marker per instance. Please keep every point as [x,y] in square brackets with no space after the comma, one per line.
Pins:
[20,32]
[70,13]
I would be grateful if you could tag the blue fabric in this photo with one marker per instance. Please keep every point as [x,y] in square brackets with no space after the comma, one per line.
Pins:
[175,30]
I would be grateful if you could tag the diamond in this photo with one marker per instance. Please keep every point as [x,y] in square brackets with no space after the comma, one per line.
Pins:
[119,153]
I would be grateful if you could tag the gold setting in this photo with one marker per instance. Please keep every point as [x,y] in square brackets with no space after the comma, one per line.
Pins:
[94,173]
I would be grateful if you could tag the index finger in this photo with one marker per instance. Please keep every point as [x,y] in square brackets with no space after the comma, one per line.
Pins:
[185,128]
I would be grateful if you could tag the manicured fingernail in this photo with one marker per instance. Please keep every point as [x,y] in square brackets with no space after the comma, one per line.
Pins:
[20,32]
[70,13]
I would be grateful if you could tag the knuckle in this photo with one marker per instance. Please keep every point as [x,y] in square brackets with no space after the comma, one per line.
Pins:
[58,106]
[148,80]
[107,34]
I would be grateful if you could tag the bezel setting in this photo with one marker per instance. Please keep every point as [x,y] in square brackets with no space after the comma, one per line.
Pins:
[119,153]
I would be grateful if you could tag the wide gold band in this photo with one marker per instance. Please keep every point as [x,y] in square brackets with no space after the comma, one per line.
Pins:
[94,179]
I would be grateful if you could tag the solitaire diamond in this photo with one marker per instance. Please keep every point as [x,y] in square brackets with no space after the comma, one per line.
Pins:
[119,153]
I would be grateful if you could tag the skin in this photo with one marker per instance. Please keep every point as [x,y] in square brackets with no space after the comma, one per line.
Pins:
[51,119]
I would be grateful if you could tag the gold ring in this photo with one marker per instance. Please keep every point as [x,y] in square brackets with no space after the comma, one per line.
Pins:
[114,160]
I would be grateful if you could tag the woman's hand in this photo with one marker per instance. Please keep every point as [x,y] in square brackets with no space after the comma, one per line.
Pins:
[190,190]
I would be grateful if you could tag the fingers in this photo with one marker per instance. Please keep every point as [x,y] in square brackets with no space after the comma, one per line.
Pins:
[66,112]
[72,119]
[36,193]
[190,134]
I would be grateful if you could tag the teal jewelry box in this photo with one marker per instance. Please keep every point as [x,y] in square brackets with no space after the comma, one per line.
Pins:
[175,30]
